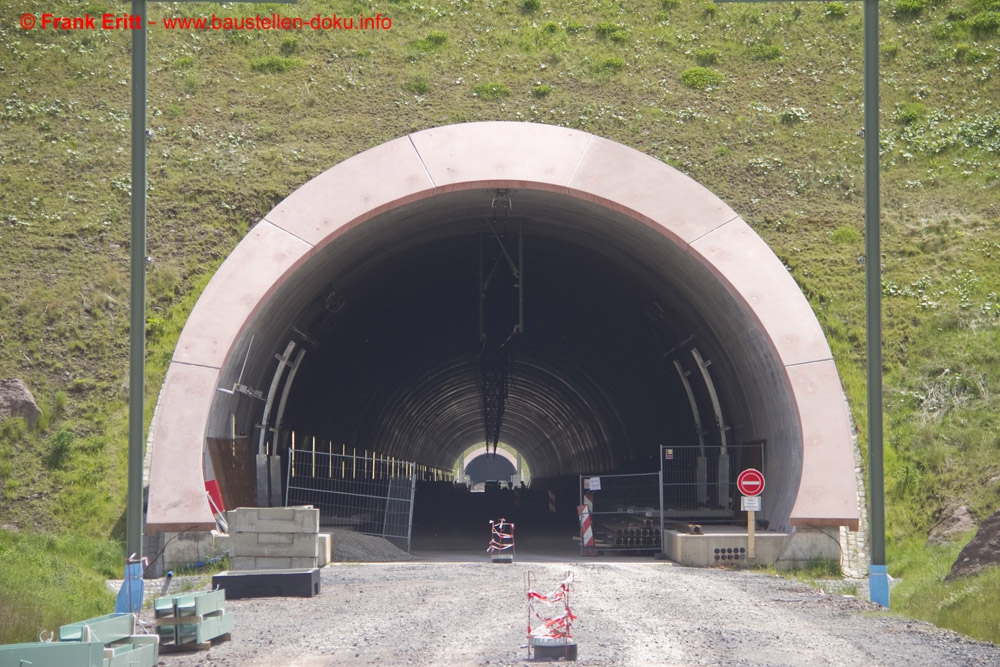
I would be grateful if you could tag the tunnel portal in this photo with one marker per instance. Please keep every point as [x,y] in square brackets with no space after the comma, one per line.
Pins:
[635,311]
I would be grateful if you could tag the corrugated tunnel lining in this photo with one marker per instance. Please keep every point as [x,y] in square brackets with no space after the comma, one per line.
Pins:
[607,303]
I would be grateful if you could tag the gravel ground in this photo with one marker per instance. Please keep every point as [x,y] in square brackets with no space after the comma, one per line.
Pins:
[460,611]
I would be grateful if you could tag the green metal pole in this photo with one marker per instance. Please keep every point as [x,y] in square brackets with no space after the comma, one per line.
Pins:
[137,324]
[878,576]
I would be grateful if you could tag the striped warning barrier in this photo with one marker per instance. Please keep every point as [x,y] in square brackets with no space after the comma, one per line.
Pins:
[215,502]
[552,502]
[501,548]
[586,532]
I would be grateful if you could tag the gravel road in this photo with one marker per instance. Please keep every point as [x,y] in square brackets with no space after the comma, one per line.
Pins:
[630,612]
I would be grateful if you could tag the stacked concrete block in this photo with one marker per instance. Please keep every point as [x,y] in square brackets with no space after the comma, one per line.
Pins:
[274,538]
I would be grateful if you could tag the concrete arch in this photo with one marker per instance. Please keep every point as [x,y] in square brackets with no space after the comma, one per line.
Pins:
[706,278]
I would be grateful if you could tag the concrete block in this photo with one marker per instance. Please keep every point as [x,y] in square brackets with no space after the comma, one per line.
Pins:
[243,562]
[325,549]
[275,545]
[308,518]
[272,563]
[274,520]
[242,520]
[242,544]
[220,542]
[277,538]
[277,513]
[300,546]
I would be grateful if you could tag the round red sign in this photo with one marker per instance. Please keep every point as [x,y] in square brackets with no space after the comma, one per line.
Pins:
[750,482]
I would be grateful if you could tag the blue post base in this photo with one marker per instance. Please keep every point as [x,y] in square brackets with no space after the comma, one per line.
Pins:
[878,585]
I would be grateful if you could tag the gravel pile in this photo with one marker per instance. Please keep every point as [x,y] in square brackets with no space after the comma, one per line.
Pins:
[350,547]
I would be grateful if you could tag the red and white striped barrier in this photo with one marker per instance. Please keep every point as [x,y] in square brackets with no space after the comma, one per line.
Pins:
[215,502]
[501,548]
[549,636]
[554,625]
[586,532]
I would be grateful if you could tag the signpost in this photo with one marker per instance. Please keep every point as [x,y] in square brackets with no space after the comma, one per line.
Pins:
[750,484]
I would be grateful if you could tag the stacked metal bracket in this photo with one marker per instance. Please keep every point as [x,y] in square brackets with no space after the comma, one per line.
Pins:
[105,641]
[191,621]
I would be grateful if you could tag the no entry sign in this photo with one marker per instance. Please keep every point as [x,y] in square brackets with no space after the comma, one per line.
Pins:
[750,482]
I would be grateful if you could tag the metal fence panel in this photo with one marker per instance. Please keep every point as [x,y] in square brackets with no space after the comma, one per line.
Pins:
[624,511]
[369,495]
[699,483]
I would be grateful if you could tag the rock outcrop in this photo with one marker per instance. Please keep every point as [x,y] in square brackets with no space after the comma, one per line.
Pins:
[16,401]
[953,525]
[982,552]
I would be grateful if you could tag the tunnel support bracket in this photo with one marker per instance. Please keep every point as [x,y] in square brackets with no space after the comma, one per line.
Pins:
[723,500]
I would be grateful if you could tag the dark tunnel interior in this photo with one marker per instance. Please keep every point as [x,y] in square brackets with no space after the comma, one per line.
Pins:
[388,315]
[589,386]
[588,390]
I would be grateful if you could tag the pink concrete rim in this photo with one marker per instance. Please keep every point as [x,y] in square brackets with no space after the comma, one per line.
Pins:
[522,156]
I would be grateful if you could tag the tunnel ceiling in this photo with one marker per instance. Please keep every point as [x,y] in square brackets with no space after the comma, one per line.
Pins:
[391,316]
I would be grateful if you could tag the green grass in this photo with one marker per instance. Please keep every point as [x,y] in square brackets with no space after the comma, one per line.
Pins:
[241,119]
[701,77]
[49,581]
[491,91]
[969,605]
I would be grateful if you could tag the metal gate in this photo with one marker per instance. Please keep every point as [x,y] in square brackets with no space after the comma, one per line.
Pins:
[624,511]
[369,495]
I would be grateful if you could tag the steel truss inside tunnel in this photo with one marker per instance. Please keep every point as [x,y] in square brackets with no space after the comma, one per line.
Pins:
[657,317]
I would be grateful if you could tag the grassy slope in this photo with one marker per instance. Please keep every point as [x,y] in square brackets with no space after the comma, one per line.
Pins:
[241,119]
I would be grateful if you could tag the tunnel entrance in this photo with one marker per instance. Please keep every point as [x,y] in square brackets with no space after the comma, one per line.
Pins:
[634,311]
